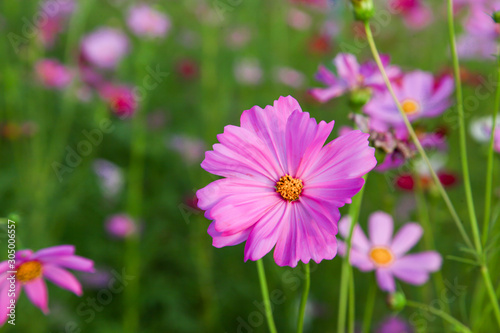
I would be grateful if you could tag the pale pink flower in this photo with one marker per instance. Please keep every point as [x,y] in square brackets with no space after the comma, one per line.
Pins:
[53,74]
[148,22]
[105,47]
[121,226]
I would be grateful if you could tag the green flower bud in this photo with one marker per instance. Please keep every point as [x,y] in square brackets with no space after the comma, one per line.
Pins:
[496,16]
[363,9]
[396,301]
[360,97]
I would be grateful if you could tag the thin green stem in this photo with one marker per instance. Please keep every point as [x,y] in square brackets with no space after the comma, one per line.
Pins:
[461,123]
[346,274]
[414,137]
[369,305]
[491,292]
[440,314]
[489,171]
[351,315]
[303,302]
[265,296]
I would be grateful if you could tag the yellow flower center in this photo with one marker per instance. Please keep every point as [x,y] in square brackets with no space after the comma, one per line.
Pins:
[381,256]
[289,188]
[29,271]
[410,106]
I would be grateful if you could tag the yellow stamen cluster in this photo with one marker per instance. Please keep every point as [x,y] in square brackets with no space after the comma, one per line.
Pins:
[381,256]
[29,271]
[289,188]
[410,106]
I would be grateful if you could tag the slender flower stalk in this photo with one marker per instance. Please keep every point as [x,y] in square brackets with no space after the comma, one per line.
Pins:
[456,324]
[303,302]
[369,305]
[346,274]
[265,296]
[489,172]
[415,139]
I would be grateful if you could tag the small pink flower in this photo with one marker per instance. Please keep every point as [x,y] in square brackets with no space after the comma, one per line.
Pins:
[394,324]
[120,99]
[57,14]
[420,95]
[290,77]
[192,150]
[53,74]
[248,71]
[282,187]
[121,226]
[351,76]
[49,263]
[238,37]
[105,47]
[145,21]
[416,14]
[481,128]
[386,255]
[298,19]
[111,178]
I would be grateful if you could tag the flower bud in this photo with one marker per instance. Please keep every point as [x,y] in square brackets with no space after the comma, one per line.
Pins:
[363,9]
[396,301]
[496,16]
[360,97]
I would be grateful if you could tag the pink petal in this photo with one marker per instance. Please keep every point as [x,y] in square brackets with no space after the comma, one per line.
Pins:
[4,266]
[406,238]
[62,278]
[36,291]
[324,75]
[220,240]
[5,299]
[338,192]
[73,262]
[266,231]
[323,95]
[356,258]
[385,280]
[359,240]
[347,67]
[427,261]
[55,251]
[418,85]
[380,228]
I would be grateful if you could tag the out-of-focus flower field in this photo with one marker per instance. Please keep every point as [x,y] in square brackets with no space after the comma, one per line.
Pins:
[108,109]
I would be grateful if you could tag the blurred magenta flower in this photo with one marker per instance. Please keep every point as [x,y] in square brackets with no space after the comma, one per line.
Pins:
[290,77]
[386,255]
[282,187]
[416,13]
[53,74]
[351,76]
[111,178]
[420,95]
[248,71]
[145,21]
[187,68]
[57,14]
[121,226]
[394,324]
[120,98]
[191,149]
[105,47]
[298,19]
[49,263]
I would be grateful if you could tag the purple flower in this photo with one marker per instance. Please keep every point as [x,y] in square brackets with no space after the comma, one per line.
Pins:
[53,74]
[282,187]
[394,324]
[145,21]
[351,77]
[121,226]
[386,255]
[420,97]
[49,263]
[121,99]
[110,177]
[105,47]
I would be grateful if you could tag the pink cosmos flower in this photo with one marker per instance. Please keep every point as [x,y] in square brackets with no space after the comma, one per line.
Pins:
[351,76]
[394,324]
[148,22]
[57,14]
[238,37]
[298,19]
[49,263]
[289,77]
[282,187]
[53,74]
[386,255]
[191,149]
[120,98]
[248,71]
[416,13]
[420,95]
[105,47]
[121,226]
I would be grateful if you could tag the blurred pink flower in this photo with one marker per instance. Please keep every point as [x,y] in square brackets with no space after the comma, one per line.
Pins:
[191,149]
[282,187]
[420,95]
[290,77]
[416,13]
[121,226]
[53,74]
[386,255]
[481,128]
[57,14]
[49,263]
[394,324]
[238,37]
[111,178]
[248,71]
[298,19]
[351,76]
[187,68]
[105,47]
[120,98]
[145,21]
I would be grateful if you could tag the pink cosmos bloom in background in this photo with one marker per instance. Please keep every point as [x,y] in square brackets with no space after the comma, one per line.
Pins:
[191,149]
[394,324]
[282,187]
[248,71]
[53,74]
[289,77]
[57,14]
[145,21]
[351,76]
[298,19]
[49,263]
[238,37]
[120,98]
[420,97]
[105,47]
[386,255]
[481,128]
[111,178]
[121,226]
[416,13]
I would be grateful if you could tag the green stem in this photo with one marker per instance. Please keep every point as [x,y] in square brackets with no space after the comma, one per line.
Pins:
[369,305]
[265,296]
[489,172]
[491,292]
[440,314]
[414,137]
[346,274]
[351,315]
[303,302]
[461,122]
